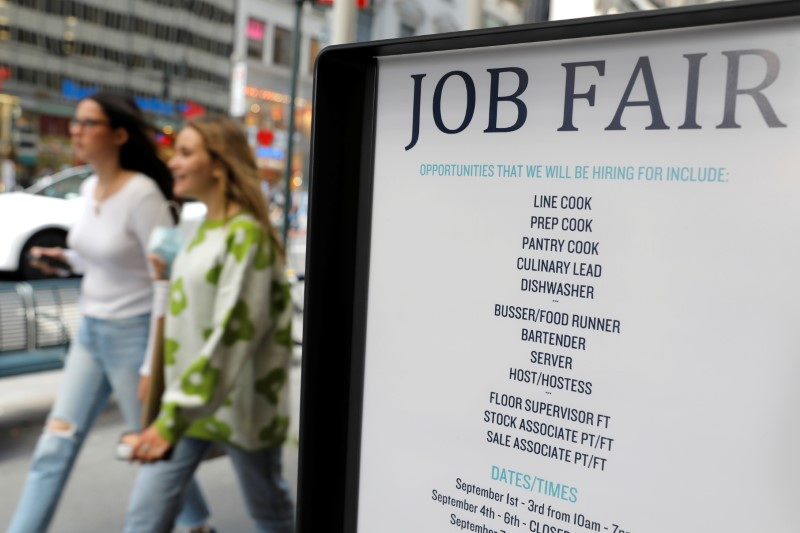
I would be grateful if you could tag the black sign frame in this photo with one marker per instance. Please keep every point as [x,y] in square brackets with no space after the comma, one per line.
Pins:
[339,233]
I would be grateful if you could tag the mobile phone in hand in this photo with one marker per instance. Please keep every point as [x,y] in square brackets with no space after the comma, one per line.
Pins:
[124,448]
[51,261]
[123,451]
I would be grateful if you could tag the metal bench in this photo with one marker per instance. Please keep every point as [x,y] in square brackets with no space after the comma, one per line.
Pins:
[37,321]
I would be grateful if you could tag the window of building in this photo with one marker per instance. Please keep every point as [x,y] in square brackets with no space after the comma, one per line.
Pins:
[282,47]
[53,80]
[255,38]
[26,37]
[93,15]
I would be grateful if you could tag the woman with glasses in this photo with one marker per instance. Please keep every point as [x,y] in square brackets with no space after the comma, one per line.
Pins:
[227,338]
[128,195]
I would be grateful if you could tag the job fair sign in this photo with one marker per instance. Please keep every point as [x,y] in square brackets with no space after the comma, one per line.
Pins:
[583,286]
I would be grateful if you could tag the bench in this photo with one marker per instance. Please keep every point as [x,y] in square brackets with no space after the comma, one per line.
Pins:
[37,321]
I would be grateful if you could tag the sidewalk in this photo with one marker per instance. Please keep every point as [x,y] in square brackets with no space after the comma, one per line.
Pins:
[28,396]
[24,404]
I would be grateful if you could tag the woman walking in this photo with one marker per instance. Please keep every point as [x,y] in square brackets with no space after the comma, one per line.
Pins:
[126,197]
[227,341]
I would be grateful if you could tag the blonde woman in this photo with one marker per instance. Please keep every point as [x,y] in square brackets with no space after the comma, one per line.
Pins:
[227,341]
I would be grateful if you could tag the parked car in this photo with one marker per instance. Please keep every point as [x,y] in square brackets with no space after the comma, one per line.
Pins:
[42,214]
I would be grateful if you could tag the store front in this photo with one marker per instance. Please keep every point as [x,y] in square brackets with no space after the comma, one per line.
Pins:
[266,121]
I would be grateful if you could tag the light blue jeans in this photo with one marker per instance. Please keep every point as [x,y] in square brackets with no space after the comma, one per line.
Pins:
[160,486]
[104,358]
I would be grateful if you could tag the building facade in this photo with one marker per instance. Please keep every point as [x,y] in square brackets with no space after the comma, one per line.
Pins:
[387,19]
[260,89]
[173,56]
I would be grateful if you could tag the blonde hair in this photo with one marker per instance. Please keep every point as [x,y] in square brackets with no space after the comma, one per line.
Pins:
[225,141]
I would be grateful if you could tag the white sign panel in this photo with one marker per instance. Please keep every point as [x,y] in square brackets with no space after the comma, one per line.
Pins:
[583,295]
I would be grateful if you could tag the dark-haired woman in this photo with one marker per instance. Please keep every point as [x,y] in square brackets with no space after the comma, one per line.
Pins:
[126,198]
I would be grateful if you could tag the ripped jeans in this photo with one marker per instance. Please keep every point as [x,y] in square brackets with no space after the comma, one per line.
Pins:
[104,358]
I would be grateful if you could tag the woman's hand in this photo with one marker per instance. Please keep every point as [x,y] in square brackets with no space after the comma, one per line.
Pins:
[151,446]
[38,252]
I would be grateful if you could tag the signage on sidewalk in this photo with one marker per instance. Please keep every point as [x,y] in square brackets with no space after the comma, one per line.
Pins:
[575,293]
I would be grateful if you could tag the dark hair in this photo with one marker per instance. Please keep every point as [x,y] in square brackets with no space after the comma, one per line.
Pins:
[139,153]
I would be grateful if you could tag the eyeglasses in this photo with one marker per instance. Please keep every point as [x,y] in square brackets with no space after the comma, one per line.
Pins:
[81,123]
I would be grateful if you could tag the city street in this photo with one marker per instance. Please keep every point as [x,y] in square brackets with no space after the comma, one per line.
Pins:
[96,495]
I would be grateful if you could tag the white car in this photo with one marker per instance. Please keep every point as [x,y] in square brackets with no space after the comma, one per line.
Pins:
[42,214]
